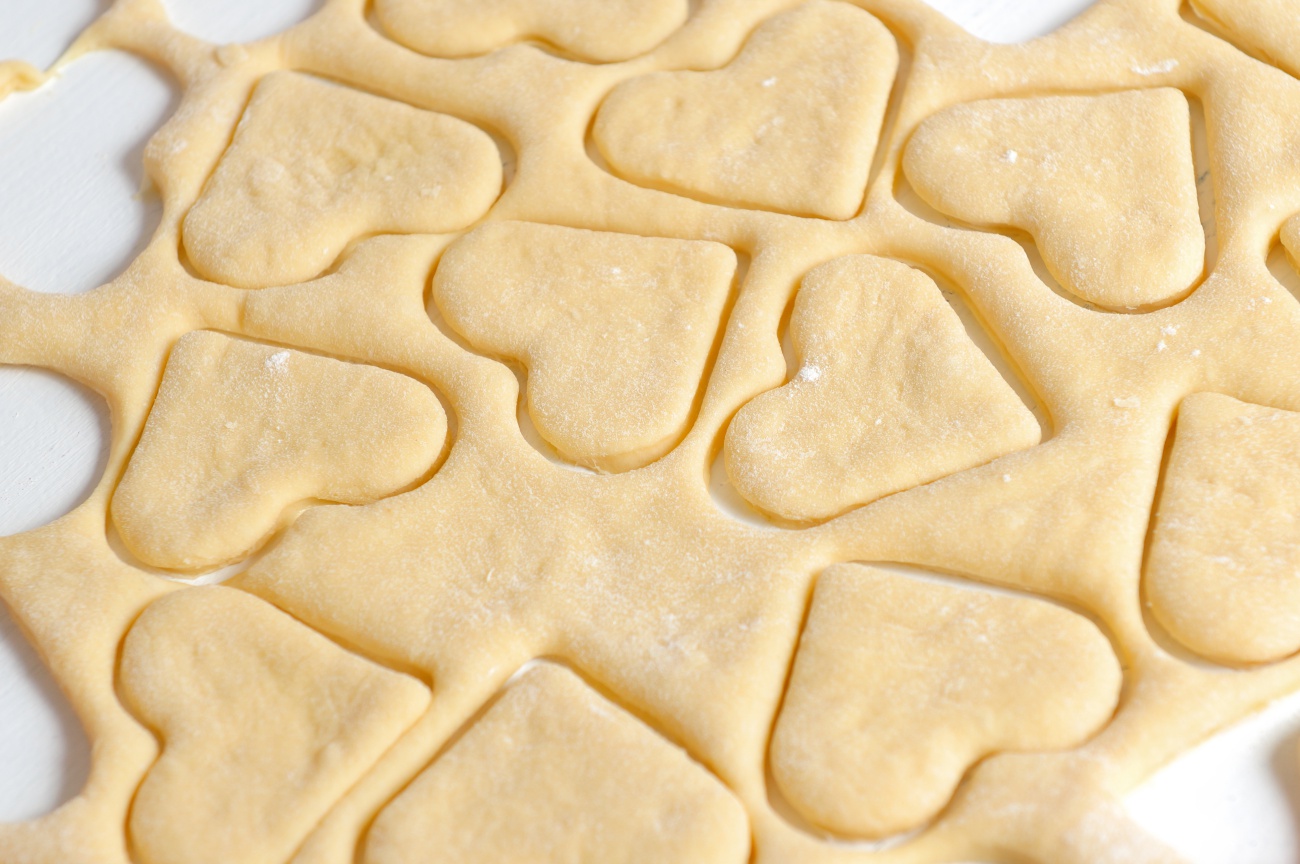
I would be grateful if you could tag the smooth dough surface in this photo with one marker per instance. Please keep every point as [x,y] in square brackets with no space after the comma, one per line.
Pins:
[890,393]
[615,330]
[313,165]
[602,30]
[242,430]
[1225,550]
[1267,28]
[555,772]
[1105,184]
[263,723]
[791,124]
[417,228]
[900,685]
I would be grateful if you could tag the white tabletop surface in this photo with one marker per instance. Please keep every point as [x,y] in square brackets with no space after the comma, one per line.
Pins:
[71,218]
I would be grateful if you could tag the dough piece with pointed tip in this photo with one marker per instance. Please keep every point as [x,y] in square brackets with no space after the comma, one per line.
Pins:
[315,165]
[242,430]
[1269,29]
[891,394]
[901,684]
[554,772]
[1105,184]
[791,124]
[600,30]
[1223,572]
[264,723]
[615,329]
[1290,237]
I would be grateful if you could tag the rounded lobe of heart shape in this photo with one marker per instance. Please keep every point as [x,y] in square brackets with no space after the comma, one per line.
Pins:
[891,393]
[1269,29]
[615,329]
[240,431]
[790,125]
[264,724]
[1105,184]
[1222,571]
[314,165]
[901,684]
[599,30]
[554,772]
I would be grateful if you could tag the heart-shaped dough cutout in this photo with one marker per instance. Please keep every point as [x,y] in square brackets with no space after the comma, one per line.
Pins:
[241,430]
[600,30]
[1105,184]
[1225,550]
[264,725]
[901,684]
[1269,29]
[555,772]
[891,394]
[315,165]
[791,124]
[615,329]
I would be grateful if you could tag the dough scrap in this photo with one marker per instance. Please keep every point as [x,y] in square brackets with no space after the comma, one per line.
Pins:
[614,329]
[1270,29]
[296,186]
[600,30]
[1222,572]
[791,124]
[263,722]
[900,685]
[241,430]
[891,393]
[1105,184]
[554,772]
[17,76]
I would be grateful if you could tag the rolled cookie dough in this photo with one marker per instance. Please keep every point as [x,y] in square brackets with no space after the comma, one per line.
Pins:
[405,225]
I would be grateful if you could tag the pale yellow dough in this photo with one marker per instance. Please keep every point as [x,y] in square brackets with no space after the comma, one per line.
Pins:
[615,330]
[890,393]
[591,29]
[17,75]
[1225,550]
[433,240]
[1105,185]
[263,724]
[554,772]
[1269,29]
[901,684]
[1290,238]
[241,430]
[790,124]
[313,165]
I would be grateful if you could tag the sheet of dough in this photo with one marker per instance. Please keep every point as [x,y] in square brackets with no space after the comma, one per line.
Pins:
[681,614]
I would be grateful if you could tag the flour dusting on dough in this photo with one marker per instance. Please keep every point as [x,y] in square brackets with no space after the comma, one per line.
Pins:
[1156,68]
